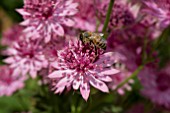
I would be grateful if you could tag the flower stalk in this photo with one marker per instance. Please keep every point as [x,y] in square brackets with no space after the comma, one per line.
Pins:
[134,74]
[109,11]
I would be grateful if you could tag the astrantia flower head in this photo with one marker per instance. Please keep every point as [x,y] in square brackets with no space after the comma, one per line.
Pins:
[8,83]
[45,17]
[160,9]
[156,85]
[78,66]
[26,58]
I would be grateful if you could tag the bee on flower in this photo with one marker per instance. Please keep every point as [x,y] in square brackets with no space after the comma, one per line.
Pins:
[77,66]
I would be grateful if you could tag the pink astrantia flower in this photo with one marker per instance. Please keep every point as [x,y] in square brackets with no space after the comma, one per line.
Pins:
[156,85]
[78,66]
[46,17]
[26,57]
[123,14]
[160,9]
[8,83]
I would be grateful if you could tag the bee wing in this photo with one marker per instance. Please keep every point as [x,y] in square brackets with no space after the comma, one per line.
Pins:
[101,34]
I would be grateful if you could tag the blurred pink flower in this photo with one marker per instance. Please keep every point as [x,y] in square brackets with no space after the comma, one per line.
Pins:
[119,78]
[86,18]
[78,66]
[46,17]
[8,83]
[160,9]
[133,39]
[130,39]
[12,35]
[123,14]
[151,25]
[156,85]
[26,57]
[126,66]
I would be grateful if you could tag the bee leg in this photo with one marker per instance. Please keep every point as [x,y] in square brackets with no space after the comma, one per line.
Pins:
[95,48]
[81,37]
[91,43]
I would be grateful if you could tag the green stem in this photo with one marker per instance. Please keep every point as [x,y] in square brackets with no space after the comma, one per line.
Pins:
[131,77]
[162,37]
[73,109]
[109,11]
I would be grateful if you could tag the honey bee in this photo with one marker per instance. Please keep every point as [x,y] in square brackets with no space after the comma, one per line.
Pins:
[95,39]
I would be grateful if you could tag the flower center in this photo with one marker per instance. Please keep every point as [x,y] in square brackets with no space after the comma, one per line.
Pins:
[48,11]
[29,54]
[78,57]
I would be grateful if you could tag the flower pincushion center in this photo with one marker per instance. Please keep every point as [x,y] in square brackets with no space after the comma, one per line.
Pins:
[79,58]
[48,12]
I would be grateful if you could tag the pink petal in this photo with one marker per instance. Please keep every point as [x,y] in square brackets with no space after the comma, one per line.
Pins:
[109,71]
[47,38]
[16,72]
[55,64]
[65,82]
[62,83]
[25,22]
[59,30]
[76,83]
[68,12]
[98,84]
[85,90]
[68,22]
[102,77]
[121,91]
[9,60]
[30,29]
[12,51]
[105,78]
[33,73]
[23,12]
[73,6]
[59,73]
[68,2]
[59,90]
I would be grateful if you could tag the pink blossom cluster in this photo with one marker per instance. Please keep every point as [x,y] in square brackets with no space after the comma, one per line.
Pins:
[47,44]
